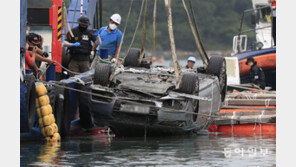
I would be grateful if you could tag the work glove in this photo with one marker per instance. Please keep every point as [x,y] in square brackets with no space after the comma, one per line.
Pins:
[75,44]
[95,32]
[92,54]
[45,54]
[113,60]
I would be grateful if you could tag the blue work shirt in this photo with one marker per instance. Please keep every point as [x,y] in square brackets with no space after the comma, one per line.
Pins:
[110,40]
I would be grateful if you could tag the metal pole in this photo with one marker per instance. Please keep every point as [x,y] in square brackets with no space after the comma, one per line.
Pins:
[101,12]
[239,48]
[81,7]
[56,24]
[74,13]
[96,18]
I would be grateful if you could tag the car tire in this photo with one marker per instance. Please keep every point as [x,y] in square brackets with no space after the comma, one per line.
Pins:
[132,58]
[30,98]
[217,67]
[102,73]
[189,83]
[66,115]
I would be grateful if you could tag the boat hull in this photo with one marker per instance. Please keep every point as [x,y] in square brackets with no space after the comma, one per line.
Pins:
[266,59]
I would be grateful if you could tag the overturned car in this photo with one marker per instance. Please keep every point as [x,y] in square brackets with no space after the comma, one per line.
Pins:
[141,100]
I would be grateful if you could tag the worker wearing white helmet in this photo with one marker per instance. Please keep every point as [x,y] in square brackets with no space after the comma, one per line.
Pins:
[111,37]
[190,62]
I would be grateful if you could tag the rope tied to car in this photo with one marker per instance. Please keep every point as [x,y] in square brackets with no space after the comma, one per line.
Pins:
[178,72]
[154,29]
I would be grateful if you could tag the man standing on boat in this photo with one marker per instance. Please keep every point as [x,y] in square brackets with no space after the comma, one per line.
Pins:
[256,73]
[80,46]
[111,37]
[273,16]
[190,62]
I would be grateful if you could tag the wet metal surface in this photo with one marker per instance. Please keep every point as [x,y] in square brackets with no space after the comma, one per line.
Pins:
[200,150]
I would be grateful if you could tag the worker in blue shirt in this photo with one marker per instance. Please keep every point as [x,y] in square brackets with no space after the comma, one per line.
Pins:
[111,37]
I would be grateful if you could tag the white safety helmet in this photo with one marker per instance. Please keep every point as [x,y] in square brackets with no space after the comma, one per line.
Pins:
[116,18]
[192,59]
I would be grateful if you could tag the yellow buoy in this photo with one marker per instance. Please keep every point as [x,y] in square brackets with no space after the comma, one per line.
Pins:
[46,120]
[41,89]
[55,127]
[43,100]
[37,103]
[48,139]
[49,130]
[38,112]
[52,119]
[46,110]
[40,122]
[56,136]
[43,131]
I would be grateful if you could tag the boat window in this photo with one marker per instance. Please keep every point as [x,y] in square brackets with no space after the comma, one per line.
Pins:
[264,13]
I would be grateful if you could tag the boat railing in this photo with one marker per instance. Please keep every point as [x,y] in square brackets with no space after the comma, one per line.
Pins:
[240,41]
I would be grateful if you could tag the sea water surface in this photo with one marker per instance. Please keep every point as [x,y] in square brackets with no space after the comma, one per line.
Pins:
[195,150]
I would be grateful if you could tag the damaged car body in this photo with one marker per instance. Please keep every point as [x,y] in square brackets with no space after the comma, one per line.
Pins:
[143,100]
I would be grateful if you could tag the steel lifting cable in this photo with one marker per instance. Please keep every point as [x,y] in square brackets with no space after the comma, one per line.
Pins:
[196,29]
[123,34]
[136,103]
[136,30]
[119,49]
[196,38]
[143,40]
[154,28]
[73,72]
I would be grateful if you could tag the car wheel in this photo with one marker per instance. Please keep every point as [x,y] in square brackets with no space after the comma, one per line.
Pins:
[217,67]
[132,58]
[28,117]
[102,73]
[189,83]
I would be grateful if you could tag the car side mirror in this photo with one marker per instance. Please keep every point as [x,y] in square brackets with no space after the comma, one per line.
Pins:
[255,18]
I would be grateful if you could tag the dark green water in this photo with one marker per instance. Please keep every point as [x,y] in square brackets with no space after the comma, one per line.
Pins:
[200,150]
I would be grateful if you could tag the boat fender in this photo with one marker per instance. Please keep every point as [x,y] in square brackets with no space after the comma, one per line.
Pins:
[43,100]
[40,122]
[55,127]
[46,110]
[49,131]
[37,103]
[49,128]
[46,120]
[56,136]
[38,112]
[41,90]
